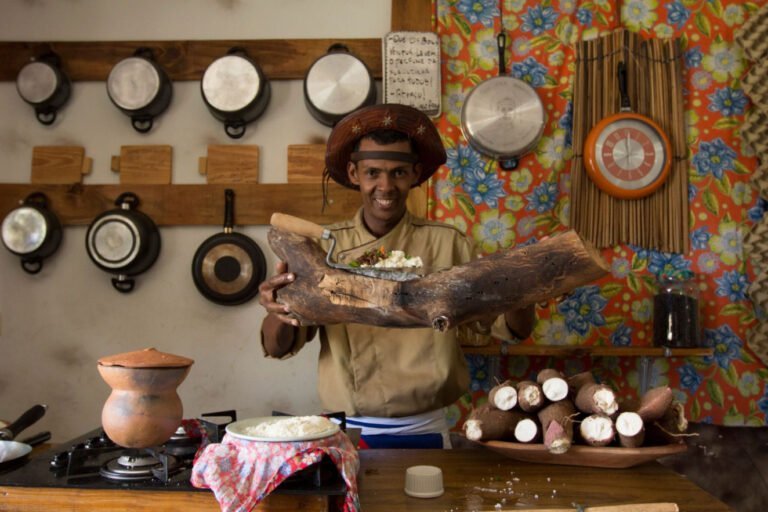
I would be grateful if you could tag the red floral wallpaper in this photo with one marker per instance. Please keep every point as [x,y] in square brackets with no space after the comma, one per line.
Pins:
[501,209]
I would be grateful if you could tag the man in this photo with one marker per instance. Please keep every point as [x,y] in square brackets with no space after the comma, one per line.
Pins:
[392,383]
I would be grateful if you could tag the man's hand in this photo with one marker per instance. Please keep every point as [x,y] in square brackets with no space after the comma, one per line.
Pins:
[268,295]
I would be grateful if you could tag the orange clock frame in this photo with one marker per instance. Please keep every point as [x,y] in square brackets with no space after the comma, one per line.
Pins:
[591,157]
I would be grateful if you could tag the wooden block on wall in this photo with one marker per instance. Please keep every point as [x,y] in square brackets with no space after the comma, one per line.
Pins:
[306,163]
[147,165]
[59,165]
[231,163]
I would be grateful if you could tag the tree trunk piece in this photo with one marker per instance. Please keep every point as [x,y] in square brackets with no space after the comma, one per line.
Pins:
[445,299]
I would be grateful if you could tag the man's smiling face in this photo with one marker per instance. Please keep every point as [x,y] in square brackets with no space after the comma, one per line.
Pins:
[384,185]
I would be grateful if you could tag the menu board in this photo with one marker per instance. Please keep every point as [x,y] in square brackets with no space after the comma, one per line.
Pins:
[412,70]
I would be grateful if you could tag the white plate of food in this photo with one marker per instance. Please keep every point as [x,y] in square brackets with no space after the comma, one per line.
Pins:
[283,429]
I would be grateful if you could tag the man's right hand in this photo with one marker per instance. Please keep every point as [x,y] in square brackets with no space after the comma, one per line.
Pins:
[268,295]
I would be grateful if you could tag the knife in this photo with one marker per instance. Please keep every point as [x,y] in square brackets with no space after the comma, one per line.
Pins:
[33,414]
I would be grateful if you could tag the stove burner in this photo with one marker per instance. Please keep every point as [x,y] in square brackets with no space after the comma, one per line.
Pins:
[136,465]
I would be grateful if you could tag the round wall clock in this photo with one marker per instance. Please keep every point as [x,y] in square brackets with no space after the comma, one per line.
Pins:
[627,155]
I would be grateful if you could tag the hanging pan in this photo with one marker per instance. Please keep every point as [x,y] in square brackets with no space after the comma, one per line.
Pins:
[228,267]
[235,90]
[337,84]
[503,117]
[627,155]
[32,231]
[44,85]
[123,241]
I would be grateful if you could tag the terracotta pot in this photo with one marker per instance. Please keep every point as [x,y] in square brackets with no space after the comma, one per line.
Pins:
[143,409]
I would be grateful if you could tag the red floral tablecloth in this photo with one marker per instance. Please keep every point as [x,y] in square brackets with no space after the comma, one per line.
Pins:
[241,473]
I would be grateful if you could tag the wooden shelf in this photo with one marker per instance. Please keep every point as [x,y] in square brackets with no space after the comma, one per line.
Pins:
[280,59]
[175,205]
[579,351]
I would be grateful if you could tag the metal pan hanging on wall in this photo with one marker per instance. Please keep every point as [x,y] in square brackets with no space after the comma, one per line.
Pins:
[337,84]
[32,231]
[140,88]
[228,267]
[235,90]
[44,85]
[503,117]
[627,155]
[123,241]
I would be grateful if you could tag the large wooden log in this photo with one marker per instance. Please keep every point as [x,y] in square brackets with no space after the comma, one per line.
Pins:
[488,286]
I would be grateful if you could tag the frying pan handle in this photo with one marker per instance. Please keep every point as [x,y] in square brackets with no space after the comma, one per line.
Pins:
[501,43]
[229,210]
[626,106]
[299,226]
[29,417]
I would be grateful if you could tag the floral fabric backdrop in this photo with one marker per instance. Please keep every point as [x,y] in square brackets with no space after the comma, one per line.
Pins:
[501,209]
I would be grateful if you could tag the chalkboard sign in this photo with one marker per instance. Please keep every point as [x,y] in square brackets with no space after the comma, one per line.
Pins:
[412,70]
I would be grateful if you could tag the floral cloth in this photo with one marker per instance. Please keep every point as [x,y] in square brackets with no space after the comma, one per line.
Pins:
[241,473]
[502,209]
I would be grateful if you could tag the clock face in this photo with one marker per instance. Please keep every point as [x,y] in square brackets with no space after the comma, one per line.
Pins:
[627,156]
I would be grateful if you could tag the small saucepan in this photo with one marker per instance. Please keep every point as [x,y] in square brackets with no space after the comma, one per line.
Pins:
[32,231]
[337,84]
[123,241]
[235,90]
[503,117]
[140,88]
[44,85]
[228,267]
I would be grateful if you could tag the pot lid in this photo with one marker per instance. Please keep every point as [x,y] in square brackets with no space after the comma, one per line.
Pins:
[338,83]
[231,83]
[114,240]
[133,83]
[36,82]
[146,358]
[24,230]
[502,117]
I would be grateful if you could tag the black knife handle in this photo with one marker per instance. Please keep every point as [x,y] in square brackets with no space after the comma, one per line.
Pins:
[25,420]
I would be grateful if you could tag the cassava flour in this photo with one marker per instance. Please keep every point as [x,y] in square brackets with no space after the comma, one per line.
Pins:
[291,427]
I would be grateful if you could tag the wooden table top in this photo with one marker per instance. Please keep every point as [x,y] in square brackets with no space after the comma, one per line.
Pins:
[479,480]
[474,480]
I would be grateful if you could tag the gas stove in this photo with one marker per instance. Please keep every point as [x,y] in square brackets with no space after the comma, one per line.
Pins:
[93,461]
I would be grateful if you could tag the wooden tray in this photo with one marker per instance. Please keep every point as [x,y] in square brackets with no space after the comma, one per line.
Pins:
[597,457]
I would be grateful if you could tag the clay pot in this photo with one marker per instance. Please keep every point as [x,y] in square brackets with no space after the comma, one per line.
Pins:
[143,409]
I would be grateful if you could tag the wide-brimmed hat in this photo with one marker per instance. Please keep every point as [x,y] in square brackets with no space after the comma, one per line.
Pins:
[425,140]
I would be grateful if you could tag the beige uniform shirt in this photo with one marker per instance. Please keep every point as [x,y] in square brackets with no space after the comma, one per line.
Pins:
[389,372]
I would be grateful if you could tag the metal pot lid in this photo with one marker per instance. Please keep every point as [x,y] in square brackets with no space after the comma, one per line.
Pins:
[231,83]
[37,82]
[338,83]
[133,83]
[502,117]
[24,230]
[114,241]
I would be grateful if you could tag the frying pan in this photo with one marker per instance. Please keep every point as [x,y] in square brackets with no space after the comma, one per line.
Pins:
[503,117]
[228,267]
[627,155]
[310,229]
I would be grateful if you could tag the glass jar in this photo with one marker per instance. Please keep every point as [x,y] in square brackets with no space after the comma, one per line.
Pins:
[676,314]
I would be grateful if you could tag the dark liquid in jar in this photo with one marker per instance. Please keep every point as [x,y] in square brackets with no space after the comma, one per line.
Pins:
[676,321]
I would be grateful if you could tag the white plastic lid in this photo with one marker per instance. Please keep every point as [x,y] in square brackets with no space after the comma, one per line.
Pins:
[424,481]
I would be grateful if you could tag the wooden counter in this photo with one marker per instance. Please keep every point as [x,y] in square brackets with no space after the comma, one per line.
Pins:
[474,480]
[478,480]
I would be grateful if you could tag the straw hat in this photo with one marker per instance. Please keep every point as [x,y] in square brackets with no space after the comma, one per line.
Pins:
[414,123]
